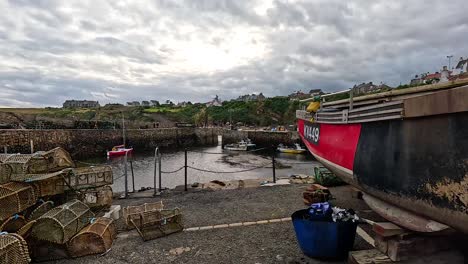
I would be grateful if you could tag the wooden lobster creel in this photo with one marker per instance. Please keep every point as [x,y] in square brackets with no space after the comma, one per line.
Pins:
[40,210]
[95,238]
[57,159]
[133,212]
[49,184]
[159,223]
[88,177]
[13,224]
[5,173]
[95,198]
[22,166]
[15,197]
[62,222]
[13,249]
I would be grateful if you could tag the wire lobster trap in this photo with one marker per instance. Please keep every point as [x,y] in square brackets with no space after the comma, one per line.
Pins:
[57,159]
[23,165]
[5,173]
[25,231]
[46,251]
[15,197]
[40,210]
[88,177]
[159,223]
[62,222]
[13,224]
[95,198]
[13,249]
[95,238]
[133,212]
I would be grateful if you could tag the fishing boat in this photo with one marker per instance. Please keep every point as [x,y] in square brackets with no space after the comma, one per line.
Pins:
[243,145]
[118,151]
[297,149]
[236,147]
[405,149]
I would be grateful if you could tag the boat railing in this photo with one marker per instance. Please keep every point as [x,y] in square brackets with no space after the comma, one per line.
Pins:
[303,114]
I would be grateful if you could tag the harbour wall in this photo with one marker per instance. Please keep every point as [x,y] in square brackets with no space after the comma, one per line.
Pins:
[95,142]
[83,143]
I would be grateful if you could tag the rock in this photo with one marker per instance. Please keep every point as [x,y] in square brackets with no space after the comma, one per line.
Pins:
[195,184]
[179,250]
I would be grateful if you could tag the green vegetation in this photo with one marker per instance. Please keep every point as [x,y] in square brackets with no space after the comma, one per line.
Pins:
[270,111]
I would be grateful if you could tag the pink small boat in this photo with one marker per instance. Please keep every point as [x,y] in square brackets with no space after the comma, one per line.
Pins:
[119,151]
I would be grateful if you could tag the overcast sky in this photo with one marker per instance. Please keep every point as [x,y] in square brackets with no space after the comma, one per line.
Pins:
[119,51]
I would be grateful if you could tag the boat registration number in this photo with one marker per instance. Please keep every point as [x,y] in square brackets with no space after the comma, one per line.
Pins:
[312,133]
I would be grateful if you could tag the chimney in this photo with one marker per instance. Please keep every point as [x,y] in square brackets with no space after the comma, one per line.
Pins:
[444,68]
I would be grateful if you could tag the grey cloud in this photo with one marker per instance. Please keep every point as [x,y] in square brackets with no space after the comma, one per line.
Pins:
[56,50]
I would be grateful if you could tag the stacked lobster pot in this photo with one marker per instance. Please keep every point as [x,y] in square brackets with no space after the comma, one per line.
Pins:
[45,201]
[91,185]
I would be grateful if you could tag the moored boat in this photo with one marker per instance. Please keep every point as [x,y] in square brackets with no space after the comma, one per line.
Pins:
[407,148]
[242,145]
[118,151]
[297,149]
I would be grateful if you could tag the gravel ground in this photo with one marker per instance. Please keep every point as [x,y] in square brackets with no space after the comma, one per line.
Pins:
[267,243]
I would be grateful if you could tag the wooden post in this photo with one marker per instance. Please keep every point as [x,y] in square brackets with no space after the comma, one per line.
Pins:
[185,167]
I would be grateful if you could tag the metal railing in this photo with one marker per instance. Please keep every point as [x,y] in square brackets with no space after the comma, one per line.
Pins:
[158,168]
[158,172]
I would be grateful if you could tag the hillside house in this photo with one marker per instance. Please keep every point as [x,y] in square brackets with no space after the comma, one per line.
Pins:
[80,104]
[215,102]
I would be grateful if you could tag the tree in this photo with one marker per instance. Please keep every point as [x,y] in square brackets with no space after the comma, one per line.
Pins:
[202,118]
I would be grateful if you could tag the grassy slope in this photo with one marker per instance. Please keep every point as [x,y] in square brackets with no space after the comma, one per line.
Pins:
[278,110]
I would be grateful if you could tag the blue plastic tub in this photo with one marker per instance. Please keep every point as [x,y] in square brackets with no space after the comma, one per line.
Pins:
[323,239]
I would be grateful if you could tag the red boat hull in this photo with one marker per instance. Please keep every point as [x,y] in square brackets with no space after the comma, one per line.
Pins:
[119,153]
[419,164]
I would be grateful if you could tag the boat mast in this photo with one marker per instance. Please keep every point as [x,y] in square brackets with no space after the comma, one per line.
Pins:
[123,128]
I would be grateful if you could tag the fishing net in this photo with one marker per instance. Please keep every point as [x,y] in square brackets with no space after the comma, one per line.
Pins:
[159,223]
[15,197]
[13,249]
[62,222]
[95,238]
[13,224]
[89,177]
[133,212]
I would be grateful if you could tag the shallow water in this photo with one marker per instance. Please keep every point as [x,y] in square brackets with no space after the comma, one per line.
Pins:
[216,159]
